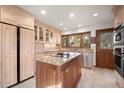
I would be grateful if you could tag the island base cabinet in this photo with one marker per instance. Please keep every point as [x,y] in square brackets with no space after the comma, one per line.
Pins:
[8,55]
[46,75]
[65,76]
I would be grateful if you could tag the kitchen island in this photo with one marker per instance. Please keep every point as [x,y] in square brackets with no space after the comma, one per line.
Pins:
[58,70]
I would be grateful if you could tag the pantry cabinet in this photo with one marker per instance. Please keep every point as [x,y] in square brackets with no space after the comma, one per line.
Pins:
[9,55]
[26,53]
[12,20]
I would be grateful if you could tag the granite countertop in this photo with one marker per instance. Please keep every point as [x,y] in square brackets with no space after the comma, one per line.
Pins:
[50,58]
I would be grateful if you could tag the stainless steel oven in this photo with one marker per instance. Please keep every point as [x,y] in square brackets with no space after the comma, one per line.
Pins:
[118,50]
[119,59]
[119,35]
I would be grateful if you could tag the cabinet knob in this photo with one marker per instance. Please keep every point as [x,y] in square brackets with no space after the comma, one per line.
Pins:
[66,70]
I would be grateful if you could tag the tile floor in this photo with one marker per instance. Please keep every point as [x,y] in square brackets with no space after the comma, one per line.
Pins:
[95,78]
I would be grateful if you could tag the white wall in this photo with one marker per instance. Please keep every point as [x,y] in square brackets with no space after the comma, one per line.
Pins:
[93,34]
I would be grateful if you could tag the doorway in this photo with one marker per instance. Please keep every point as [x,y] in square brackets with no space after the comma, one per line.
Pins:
[104,48]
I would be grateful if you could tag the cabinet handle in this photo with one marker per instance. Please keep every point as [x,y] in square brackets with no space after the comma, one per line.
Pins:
[66,70]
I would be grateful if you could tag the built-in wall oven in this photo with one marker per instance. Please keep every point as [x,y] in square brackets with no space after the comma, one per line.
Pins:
[119,35]
[119,59]
[118,50]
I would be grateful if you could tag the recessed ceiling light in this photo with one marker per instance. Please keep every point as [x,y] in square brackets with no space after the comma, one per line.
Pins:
[43,12]
[65,28]
[95,14]
[79,25]
[61,24]
[71,15]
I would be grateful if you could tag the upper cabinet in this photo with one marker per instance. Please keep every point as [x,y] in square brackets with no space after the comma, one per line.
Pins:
[9,16]
[74,40]
[46,34]
[39,34]
[26,21]
[118,12]
[16,16]
[77,40]
[86,40]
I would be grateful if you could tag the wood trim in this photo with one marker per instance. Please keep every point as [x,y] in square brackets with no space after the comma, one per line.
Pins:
[1,85]
[76,33]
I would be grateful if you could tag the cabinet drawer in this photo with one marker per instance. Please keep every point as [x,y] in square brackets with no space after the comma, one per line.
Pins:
[9,16]
[27,21]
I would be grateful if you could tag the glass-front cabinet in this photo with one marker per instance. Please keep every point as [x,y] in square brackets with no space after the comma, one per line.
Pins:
[47,35]
[86,40]
[65,41]
[74,41]
[38,34]
[77,40]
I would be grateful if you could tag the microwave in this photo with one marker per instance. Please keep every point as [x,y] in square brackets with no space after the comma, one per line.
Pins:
[119,36]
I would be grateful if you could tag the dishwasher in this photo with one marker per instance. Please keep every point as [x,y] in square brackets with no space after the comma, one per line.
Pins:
[88,60]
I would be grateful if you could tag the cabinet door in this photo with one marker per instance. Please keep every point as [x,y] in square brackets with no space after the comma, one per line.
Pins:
[26,54]
[51,76]
[9,55]
[66,77]
[27,21]
[9,16]
[0,55]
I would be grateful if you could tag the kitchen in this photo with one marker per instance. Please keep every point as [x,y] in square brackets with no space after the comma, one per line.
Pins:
[60,47]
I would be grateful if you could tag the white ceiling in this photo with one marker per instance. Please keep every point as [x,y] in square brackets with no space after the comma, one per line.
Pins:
[60,13]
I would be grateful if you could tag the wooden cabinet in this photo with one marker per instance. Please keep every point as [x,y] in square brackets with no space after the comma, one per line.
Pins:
[86,40]
[0,55]
[9,55]
[118,12]
[26,21]
[76,40]
[65,76]
[48,78]
[9,16]
[51,76]
[39,34]
[26,53]
[66,73]
[46,34]
[16,16]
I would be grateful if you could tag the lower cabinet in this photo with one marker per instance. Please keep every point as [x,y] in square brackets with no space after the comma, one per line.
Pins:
[8,64]
[26,53]
[65,76]
[51,76]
